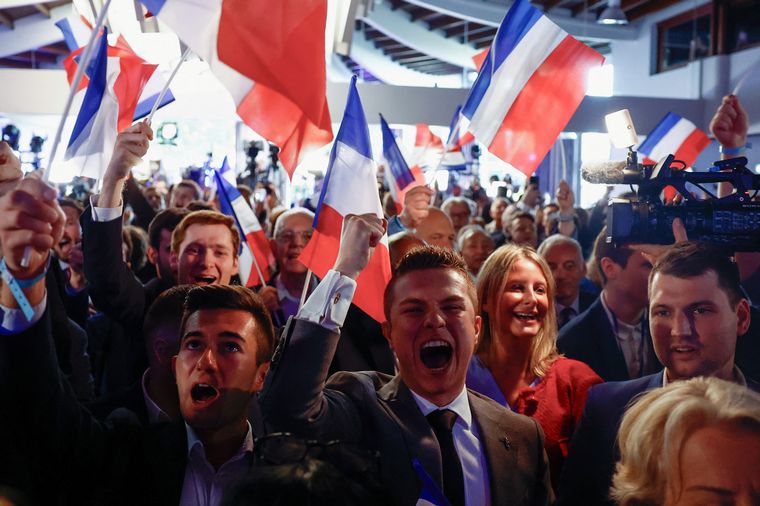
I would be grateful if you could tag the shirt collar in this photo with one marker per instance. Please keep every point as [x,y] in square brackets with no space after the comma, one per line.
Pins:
[616,324]
[739,378]
[460,405]
[575,305]
[155,413]
[193,441]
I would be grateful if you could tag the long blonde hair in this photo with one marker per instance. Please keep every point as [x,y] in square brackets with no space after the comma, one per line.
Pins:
[492,281]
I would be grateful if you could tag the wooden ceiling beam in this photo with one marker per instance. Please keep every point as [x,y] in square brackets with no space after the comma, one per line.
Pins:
[647,8]
[6,20]
[43,9]
[584,7]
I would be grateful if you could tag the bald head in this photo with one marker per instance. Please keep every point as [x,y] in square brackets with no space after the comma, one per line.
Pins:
[436,229]
[402,243]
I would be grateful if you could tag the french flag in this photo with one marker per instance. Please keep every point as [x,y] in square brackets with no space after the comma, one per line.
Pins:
[256,254]
[113,88]
[350,188]
[430,493]
[76,32]
[677,136]
[428,148]
[531,83]
[271,58]
[398,174]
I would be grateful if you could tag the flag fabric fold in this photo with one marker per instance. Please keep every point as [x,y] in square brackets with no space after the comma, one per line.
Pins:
[115,81]
[255,256]
[350,188]
[398,175]
[677,136]
[274,72]
[531,83]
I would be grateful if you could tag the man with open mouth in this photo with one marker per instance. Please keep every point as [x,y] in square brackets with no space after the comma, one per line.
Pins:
[426,425]
[226,344]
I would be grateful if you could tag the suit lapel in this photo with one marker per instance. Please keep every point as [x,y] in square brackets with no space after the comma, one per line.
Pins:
[418,436]
[500,451]
[608,347]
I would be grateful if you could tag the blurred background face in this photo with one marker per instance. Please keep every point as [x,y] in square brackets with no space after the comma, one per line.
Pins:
[72,234]
[291,237]
[475,251]
[522,231]
[568,270]
[182,196]
[436,229]
[459,213]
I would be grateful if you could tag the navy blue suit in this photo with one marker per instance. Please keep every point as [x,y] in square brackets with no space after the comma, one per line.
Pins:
[590,338]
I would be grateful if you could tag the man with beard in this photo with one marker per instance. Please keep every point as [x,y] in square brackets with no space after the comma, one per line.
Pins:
[225,348]
[423,421]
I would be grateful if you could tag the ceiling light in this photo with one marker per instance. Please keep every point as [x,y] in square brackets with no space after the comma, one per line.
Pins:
[613,14]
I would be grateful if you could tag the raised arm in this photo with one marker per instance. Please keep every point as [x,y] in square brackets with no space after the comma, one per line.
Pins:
[295,398]
[114,289]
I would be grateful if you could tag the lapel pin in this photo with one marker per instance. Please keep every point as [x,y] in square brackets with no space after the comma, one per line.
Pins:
[507,443]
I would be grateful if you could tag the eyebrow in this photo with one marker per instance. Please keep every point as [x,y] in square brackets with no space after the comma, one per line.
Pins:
[225,333]
[452,298]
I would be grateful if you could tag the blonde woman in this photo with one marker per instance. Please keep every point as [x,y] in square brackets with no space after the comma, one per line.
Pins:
[692,442]
[516,362]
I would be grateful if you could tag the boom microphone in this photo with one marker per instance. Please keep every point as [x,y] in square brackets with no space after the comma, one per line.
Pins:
[612,173]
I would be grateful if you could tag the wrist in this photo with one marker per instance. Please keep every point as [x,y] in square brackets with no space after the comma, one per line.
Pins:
[735,150]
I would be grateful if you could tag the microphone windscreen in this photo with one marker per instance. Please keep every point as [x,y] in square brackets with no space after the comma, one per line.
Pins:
[604,172]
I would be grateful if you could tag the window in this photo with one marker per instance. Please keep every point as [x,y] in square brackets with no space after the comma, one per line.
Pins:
[741,24]
[685,38]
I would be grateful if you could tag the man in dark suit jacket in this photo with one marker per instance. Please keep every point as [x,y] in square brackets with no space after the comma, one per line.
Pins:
[611,336]
[227,340]
[697,311]
[432,328]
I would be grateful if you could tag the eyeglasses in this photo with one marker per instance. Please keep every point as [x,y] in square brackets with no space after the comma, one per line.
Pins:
[289,236]
[285,448]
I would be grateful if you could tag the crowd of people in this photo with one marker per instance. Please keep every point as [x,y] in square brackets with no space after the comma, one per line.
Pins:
[523,358]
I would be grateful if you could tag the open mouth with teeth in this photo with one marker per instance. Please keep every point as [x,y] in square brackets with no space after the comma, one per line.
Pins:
[436,354]
[683,350]
[526,317]
[204,280]
[203,393]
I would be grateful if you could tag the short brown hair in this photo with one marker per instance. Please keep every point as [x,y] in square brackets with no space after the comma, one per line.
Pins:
[166,311]
[425,258]
[691,259]
[189,183]
[205,218]
[603,249]
[168,219]
[233,298]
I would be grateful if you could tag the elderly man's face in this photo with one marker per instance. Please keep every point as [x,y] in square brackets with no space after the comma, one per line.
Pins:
[568,270]
[459,212]
[436,229]
[291,237]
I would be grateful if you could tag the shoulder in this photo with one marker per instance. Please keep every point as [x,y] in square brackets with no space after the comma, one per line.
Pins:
[356,382]
[617,394]
[487,410]
[578,328]
[567,370]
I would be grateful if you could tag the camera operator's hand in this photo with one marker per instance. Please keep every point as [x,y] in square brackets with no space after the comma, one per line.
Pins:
[10,168]
[131,146]
[416,203]
[30,218]
[730,123]
[360,235]
[653,252]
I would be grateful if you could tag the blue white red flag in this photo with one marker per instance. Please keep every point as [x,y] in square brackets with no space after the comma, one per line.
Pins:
[531,83]
[677,136]
[76,32]
[255,257]
[274,71]
[113,87]
[350,187]
[398,175]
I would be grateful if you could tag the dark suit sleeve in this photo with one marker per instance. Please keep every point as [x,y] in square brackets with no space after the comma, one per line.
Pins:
[114,289]
[134,196]
[585,474]
[295,399]
[543,493]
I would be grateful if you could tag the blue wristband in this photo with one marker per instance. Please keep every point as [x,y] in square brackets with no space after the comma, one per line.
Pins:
[734,151]
[17,287]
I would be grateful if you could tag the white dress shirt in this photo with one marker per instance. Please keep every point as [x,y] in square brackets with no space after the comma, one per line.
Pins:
[477,490]
[155,413]
[204,486]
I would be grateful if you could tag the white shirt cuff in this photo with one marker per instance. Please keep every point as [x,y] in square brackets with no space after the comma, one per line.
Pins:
[328,304]
[104,213]
[14,321]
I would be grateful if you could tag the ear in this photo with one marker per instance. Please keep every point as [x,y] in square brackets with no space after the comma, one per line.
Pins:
[478,325]
[743,317]
[159,351]
[261,374]
[174,367]
[152,255]
[174,261]
[235,269]
[609,268]
[386,328]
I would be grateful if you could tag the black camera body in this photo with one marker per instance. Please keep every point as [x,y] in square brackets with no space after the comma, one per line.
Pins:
[731,223]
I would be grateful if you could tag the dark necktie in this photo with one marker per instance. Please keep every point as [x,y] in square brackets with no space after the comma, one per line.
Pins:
[565,316]
[442,421]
